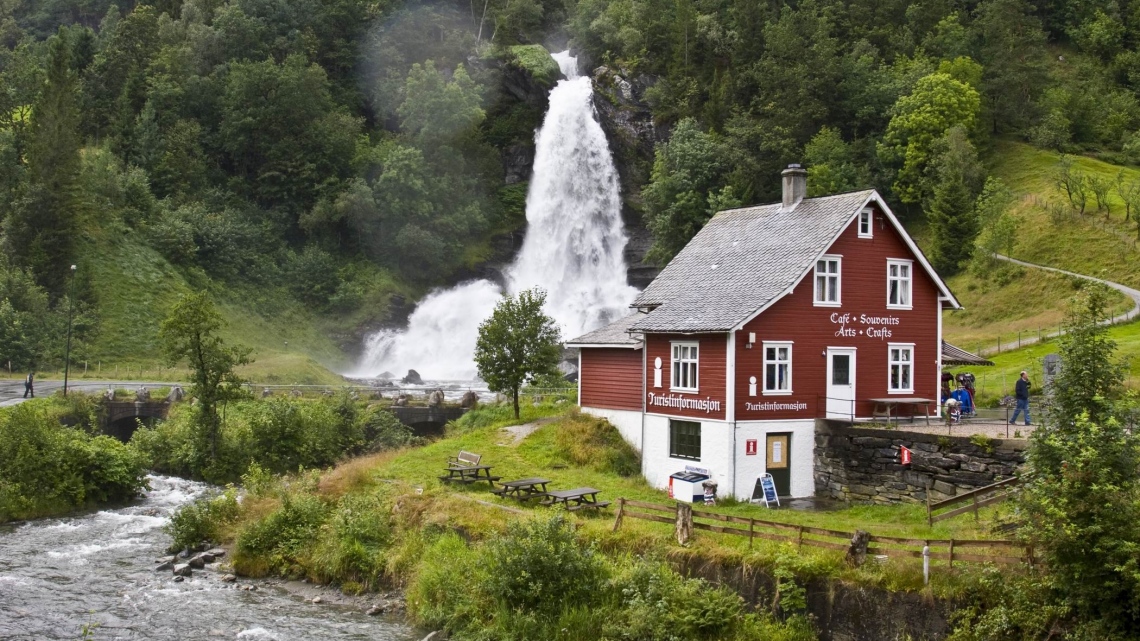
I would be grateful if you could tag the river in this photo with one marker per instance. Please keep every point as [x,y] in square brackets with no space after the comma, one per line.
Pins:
[57,575]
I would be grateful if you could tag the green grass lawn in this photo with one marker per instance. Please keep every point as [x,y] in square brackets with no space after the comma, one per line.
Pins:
[544,454]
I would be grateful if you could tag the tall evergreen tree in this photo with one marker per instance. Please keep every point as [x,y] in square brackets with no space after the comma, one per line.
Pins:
[958,177]
[42,227]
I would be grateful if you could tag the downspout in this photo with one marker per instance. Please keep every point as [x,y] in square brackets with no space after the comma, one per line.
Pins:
[730,399]
[644,365]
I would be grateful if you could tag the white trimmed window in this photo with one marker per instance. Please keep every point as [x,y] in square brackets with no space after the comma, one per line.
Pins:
[684,367]
[899,283]
[866,217]
[900,365]
[827,290]
[777,368]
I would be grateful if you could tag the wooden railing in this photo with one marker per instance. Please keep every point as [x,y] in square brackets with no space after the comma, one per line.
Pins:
[977,499]
[685,519]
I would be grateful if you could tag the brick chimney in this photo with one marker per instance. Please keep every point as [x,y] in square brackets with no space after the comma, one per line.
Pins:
[795,185]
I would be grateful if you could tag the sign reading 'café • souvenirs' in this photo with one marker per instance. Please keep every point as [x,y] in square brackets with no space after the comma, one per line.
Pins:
[852,325]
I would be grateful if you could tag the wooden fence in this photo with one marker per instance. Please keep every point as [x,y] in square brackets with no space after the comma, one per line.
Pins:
[977,499]
[685,520]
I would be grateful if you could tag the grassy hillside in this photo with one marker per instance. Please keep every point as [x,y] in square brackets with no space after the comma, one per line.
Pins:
[136,287]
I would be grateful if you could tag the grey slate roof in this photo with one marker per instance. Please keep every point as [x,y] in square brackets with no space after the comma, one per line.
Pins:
[740,261]
[616,334]
[954,356]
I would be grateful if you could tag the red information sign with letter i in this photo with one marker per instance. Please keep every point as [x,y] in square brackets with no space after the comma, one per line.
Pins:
[750,447]
[904,455]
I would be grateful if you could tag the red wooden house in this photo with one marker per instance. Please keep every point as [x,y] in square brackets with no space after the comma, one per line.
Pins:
[770,318]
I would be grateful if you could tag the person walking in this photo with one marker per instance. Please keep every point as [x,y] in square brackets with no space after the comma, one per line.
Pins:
[1021,393]
[29,382]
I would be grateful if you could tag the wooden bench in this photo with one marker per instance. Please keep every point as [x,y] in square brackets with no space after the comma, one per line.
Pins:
[465,459]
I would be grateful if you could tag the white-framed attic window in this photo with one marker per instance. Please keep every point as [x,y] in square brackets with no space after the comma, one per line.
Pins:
[867,223]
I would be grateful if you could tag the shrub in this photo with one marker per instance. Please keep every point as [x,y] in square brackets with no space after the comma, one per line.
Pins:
[202,520]
[383,431]
[539,565]
[353,540]
[435,599]
[277,541]
[661,605]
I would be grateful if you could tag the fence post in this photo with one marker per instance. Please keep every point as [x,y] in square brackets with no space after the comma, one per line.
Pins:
[929,515]
[926,565]
[620,513]
[751,531]
[800,539]
[951,553]
[975,501]
[683,529]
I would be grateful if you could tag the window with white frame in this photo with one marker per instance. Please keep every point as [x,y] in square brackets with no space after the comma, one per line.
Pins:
[827,281]
[900,364]
[777,368]
[865,218]
[899,283]
[684,367]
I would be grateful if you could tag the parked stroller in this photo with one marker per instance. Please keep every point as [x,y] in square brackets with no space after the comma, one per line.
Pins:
[965,394]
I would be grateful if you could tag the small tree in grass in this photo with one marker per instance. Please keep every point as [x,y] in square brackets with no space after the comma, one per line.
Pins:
[190,333]
[517,344]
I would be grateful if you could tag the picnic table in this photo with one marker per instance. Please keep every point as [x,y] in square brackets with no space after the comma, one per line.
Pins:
[522,490]
[469,474]
[575,499]
[884,406]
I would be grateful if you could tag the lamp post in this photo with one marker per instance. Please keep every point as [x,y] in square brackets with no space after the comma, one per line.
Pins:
[70,309]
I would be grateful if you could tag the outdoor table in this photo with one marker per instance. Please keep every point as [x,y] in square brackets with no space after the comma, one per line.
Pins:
[575,499]
[886,405]
[522,490]
[469,474]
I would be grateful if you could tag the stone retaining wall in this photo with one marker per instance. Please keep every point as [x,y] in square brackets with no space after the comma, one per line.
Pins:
[862,464]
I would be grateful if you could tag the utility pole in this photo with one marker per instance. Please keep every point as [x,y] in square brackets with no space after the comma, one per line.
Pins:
[70,310]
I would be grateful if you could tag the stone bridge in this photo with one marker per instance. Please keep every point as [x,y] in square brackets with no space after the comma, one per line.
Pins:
[120,419]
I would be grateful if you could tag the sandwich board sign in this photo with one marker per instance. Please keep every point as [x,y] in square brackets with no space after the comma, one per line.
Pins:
[765,491]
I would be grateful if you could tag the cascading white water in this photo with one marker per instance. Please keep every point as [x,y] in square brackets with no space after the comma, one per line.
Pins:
[573,249]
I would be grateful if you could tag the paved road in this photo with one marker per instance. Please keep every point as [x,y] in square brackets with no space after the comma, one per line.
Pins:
[1131,314]
[12,391]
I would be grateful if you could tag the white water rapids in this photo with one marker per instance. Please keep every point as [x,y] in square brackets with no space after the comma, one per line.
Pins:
[573,249]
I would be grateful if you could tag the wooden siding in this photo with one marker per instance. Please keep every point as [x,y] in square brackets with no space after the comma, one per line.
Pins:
[611,378]
[814,329]
[711,374]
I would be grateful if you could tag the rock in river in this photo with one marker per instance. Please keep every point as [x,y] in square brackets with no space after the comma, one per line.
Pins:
[413,378]
[183,569]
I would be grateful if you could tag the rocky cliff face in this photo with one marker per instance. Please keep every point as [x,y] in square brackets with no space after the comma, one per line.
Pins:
[626,118]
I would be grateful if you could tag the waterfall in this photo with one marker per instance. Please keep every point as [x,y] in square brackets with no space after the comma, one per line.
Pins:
[573,249]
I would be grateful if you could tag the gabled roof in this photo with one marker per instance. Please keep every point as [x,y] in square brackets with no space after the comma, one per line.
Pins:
[616,334]
[743,260]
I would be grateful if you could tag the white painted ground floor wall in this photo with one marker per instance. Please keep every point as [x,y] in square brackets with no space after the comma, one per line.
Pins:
[723,450]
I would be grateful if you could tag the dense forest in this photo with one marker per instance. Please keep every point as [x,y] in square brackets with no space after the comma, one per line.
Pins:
[330,148]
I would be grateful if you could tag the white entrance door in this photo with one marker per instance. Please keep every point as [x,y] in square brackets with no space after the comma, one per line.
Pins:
[841,382]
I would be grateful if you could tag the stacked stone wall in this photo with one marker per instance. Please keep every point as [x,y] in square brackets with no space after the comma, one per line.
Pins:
[862,464]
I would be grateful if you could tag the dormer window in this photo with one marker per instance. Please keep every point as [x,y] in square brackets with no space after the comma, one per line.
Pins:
[866,217]
[827,284]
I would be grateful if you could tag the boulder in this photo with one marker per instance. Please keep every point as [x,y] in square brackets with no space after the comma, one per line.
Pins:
[216,552]
[207,557]
[435,399]
[412,378]
[142,395]
[374,610]
[197,562]
[165,566]
[401,400]
[469,400]
[183,569]
[228,578]
[438,635]
[386,376]
[317,599]
[179,579]
[176,394]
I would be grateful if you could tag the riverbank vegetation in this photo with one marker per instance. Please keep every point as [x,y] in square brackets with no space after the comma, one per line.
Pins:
[53,461]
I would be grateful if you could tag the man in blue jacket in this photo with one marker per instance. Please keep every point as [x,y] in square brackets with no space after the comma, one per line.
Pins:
[1021,392]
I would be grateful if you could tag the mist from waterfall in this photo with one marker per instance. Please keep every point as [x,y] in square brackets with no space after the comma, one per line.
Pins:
[573,249]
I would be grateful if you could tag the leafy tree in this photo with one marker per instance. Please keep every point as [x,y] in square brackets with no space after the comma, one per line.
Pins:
[436,110]
[190,333]
[958,176]
[1089,378]
[919,120]
[831,165]
[1012,50]
[686,170]
[518,343]
[42,228]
